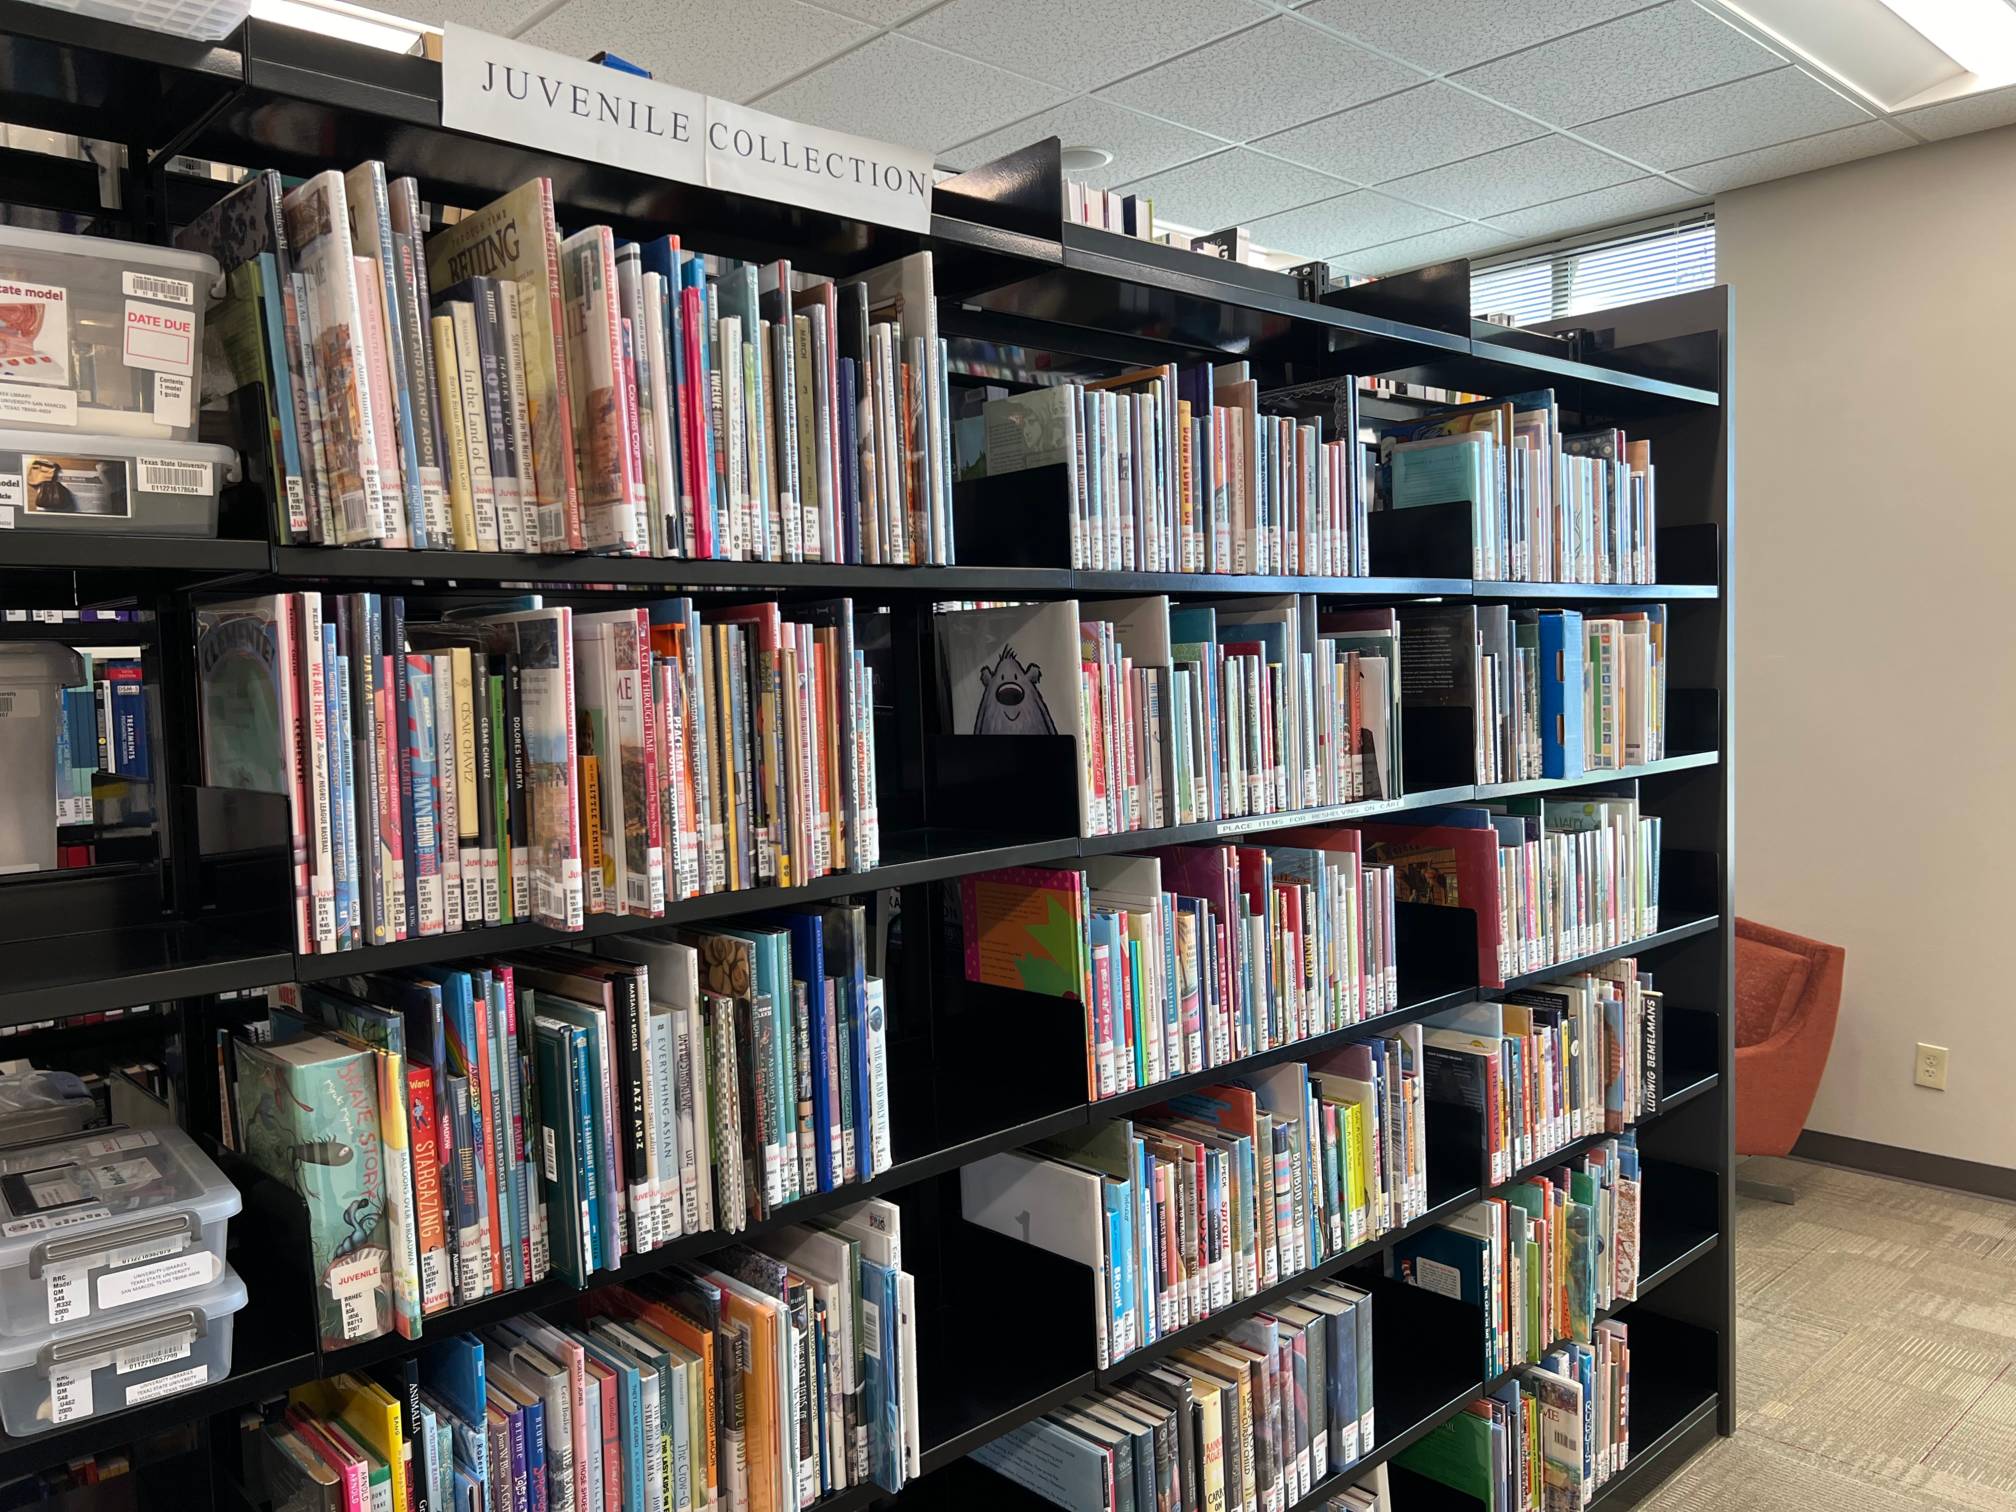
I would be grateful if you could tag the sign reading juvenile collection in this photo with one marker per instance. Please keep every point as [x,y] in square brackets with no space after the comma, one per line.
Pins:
[495,87]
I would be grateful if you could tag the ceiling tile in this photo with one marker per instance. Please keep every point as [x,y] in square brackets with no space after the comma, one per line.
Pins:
[1513,177]
[1234,188]
[1464,31]
[1262,80]
[1802,156]
[1140,144]
[1760,112]
[1653,55]
[903,91]
[1577,212]
[1993,107]
[880,12]
[498,20]
[1081,44]
[1403,133]
[733,51]
[1346,223]
[1419,251]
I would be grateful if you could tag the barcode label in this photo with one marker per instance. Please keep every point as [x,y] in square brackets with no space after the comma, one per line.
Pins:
[153,286]
[158,475]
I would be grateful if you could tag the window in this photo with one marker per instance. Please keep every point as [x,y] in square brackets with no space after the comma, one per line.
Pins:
[1559,280]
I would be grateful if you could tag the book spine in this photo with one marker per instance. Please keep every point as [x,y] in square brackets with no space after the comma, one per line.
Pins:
[498,528]
[314,698]
[447,792]
[460,527]
[559,531]
[518,408]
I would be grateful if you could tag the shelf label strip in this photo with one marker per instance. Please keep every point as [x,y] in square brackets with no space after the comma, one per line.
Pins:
[509,91]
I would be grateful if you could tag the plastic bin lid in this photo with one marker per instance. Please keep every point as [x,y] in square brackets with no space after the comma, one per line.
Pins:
[63,244]
[65,1193]
[221,1299]
[87,444]
[24,663]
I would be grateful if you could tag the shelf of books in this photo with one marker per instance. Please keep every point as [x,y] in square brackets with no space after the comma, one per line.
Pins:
[801,860]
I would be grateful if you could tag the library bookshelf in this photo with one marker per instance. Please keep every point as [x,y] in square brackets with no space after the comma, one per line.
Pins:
[1005,1331]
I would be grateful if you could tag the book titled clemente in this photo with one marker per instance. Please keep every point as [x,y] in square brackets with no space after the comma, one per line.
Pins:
[309,1117]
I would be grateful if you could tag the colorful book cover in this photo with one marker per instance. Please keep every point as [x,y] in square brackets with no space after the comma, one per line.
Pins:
[604,458]
[317,222]
[1025,928]
[309,1111]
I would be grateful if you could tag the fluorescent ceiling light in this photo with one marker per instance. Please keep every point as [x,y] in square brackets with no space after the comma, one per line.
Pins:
[352,23]
[1979,35]
[1895,54]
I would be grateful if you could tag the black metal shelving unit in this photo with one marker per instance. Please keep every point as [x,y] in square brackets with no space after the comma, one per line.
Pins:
[1017,285]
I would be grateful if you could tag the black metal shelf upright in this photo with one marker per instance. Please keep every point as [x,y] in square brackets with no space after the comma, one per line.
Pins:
[1026,295]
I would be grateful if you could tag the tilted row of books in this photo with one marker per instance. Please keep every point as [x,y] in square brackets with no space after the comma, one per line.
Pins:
[490,385]
[1548,1437]
[520,762]
[1545,507]
[1543,1259]
[1196,957]
[1188,712]
[784,1373]
[1221,1193]
[1251,1421]
[1173,469]
[1553,1064]
[559,1112]
[1549,879]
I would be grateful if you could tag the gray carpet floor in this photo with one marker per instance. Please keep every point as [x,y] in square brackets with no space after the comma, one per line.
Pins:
[1875,1352]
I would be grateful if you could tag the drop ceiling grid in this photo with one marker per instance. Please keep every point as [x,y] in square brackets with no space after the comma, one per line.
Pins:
[1136,76]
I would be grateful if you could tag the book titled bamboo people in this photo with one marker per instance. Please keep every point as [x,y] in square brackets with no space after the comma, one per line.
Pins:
[490,386]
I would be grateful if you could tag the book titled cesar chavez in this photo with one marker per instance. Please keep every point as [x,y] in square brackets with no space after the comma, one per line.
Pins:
[514,237]
[309,1110]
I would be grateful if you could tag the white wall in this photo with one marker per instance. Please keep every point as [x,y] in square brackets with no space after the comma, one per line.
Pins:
[1875,562]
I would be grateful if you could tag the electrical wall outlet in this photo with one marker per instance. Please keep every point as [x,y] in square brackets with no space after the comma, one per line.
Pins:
[1929,1069]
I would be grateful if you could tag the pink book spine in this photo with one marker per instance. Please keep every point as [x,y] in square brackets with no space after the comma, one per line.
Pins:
[384,402]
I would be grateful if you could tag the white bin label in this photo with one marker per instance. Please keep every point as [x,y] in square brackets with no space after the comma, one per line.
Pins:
[160,337]
[38,406]
[154,286]
[171,398]
[69,1292]
[168,1385]
[70,1393]
[154,1352]
[163,1278]
[170,475]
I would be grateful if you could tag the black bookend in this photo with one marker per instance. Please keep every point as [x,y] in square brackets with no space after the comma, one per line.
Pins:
[1021,786]
[1435,950]
[1017,519]
[1430,540]
[1021,192]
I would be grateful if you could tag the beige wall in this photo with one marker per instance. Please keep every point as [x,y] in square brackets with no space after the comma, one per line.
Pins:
[1876,556]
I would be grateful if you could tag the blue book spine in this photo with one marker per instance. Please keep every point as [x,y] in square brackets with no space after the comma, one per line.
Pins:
[849,461]
[854,1029]
[395,649]
[423,865]
[1118,1281]
[275,318]
[706,502]
[536,1496]
[808,965]
[591,1165]
[336,712]
[510,1210]
[1147,1269]
[1561,733]
[633,1441]
[1343,1387]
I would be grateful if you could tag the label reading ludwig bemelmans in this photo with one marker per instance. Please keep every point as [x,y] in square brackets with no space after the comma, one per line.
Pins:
[495,87]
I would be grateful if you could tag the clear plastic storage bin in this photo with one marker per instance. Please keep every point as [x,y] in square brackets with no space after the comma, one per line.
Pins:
[208,20]
[100,337]
[66,1375]
[112,484]
[33,676]
[105,1223]
[39,1104]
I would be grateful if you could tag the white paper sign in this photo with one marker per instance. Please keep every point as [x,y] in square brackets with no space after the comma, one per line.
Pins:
[494,87]
[752,152]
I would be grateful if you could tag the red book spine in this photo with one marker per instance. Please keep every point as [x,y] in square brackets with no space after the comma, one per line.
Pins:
[425,1150]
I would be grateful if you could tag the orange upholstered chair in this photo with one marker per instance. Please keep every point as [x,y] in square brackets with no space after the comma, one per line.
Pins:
[1788,995]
